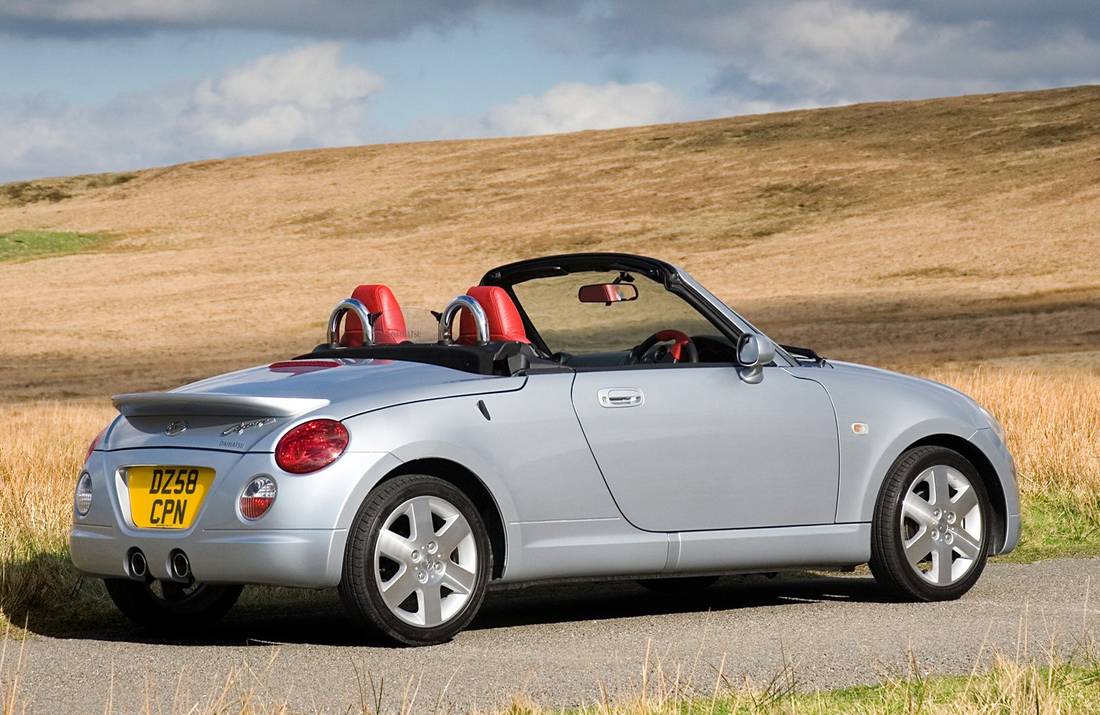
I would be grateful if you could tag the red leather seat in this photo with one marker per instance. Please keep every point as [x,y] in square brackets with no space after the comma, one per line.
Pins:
[389,321]
[505,323]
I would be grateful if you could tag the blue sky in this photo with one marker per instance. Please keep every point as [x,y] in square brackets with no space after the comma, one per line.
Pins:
[106,85]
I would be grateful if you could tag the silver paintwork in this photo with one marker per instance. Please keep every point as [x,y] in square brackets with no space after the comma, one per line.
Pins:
[471,306]
[754,352]
[708,473]
[349,305]
[145,404]
[947,536]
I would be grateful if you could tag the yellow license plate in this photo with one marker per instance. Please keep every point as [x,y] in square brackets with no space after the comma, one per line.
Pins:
[167,497]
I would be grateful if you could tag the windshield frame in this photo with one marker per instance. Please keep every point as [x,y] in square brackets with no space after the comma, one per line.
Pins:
[673,279]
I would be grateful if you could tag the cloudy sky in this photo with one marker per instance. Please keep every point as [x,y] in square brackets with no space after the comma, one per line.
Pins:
[107,85]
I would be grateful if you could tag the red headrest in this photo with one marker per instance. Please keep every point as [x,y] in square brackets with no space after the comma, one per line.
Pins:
[389,323]
[505,324]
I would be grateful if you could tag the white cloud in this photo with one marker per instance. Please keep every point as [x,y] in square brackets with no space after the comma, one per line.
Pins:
[302,98]
[573,106]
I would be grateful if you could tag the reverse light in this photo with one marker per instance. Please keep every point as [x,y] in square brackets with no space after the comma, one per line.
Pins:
[257,497]
[83,499]
[311,446]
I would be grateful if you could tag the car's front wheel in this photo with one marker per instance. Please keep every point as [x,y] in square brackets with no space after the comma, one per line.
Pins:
[172,608]
[418,560]
[931,529]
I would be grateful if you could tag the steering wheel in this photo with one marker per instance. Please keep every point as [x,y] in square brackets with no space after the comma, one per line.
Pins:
[681,350]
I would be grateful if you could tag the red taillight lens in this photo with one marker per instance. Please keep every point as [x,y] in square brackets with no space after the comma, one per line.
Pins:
[311,446]
[94,444]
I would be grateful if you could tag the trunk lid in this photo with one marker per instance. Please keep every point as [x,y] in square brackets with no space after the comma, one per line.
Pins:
[243,410]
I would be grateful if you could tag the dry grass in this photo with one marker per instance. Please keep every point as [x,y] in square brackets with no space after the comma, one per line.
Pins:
[917,231]
[40,455]
[1052,419]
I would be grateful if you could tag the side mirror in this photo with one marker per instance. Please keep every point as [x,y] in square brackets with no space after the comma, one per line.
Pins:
[607,293]
[753,353]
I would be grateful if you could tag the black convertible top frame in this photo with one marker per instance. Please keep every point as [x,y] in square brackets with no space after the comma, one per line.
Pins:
[666,274]
[508,275]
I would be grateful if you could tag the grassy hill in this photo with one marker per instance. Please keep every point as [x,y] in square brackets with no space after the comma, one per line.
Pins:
[907,233]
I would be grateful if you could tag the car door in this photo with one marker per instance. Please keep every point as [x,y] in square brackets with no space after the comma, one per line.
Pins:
[693,447]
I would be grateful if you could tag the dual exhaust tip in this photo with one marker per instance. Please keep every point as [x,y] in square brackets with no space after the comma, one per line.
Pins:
[179,566]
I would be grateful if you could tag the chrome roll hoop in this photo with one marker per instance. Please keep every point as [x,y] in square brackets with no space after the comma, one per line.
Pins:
[350,305]
[463,302]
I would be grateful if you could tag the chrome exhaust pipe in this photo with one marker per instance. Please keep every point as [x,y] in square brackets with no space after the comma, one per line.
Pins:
[139,569]
[181,567]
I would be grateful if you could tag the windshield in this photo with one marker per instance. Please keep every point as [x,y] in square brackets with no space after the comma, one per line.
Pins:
[572,327]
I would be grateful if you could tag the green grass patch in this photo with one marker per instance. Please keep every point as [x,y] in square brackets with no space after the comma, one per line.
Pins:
[1058,526]
[24,245]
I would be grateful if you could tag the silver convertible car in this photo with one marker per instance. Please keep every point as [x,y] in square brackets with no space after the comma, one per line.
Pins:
[596,416]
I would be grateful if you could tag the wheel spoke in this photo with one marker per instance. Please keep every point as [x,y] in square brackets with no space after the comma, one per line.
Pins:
[458,579]
[919,546]
[394,546]
[398,588]
[452,534]
[942,563]
[916,508]
[967,546]
[964,501]
[431,605]
[941,495]
[420,514]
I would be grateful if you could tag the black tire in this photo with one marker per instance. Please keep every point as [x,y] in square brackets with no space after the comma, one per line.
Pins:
[358,586]
[681,586]
[177,609]
[889,564]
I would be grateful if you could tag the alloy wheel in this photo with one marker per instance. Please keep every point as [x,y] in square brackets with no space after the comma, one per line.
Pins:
[425,561]
[941,525]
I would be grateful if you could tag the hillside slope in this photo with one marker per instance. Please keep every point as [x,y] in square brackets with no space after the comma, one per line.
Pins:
[903,233]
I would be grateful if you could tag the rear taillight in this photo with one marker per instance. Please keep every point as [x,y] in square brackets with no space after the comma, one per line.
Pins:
[311,446]
[257,497]
[94,444]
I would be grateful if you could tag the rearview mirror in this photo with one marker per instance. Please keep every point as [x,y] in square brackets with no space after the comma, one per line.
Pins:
[607,293]
[753,353]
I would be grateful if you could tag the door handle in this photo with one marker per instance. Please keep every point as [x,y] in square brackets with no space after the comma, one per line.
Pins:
[620,397]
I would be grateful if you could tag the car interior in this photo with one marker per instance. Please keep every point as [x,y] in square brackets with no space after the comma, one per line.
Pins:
[606,314]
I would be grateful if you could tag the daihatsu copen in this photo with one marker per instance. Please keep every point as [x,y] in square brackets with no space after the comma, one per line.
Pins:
[593,416]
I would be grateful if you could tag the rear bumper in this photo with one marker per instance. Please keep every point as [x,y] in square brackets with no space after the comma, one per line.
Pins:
[299,542]
[287,557]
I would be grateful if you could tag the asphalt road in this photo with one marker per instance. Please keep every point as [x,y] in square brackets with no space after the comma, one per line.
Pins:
[564,644]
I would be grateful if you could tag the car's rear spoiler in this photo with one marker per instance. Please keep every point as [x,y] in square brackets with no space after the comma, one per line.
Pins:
[148,404]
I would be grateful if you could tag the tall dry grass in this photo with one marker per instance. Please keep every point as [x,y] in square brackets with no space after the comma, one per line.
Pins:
[1052,421]
[41,453]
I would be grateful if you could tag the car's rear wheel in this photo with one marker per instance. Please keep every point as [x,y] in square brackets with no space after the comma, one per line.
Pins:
[682,586]
[930,535]
[417,562]
[169,607]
